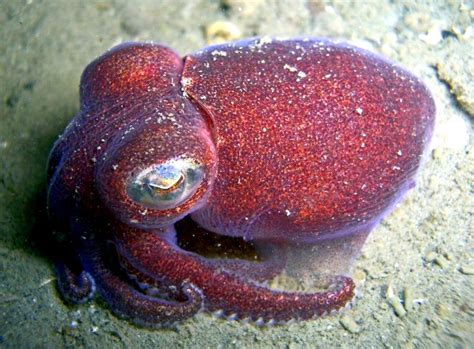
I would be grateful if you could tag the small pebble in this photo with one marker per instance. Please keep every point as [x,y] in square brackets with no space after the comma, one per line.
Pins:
[442,311]
[430,256]
[432,37]
[349,324]
[448,256]
[441,261]
[390,293]
[408,298]
[466,269]
[437,154]
[397,307]
[394,301]
[222,31]
[359,277]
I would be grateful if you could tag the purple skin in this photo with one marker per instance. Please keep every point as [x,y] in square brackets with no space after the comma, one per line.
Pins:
[296,147]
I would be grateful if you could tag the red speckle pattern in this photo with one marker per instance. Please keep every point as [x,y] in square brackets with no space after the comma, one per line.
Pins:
[313,138]
[300,141]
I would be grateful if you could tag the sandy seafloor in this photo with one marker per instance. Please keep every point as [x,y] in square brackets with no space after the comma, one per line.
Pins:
[423,248]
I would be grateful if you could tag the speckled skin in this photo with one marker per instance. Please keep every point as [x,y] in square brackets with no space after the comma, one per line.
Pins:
[306,144]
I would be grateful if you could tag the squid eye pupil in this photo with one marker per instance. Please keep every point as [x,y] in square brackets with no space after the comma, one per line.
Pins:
[166,185]
[167,178]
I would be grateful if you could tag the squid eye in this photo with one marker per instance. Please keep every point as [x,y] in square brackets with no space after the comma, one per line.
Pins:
[166,185]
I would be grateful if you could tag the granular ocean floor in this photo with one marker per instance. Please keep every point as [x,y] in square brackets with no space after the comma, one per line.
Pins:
[415,275]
